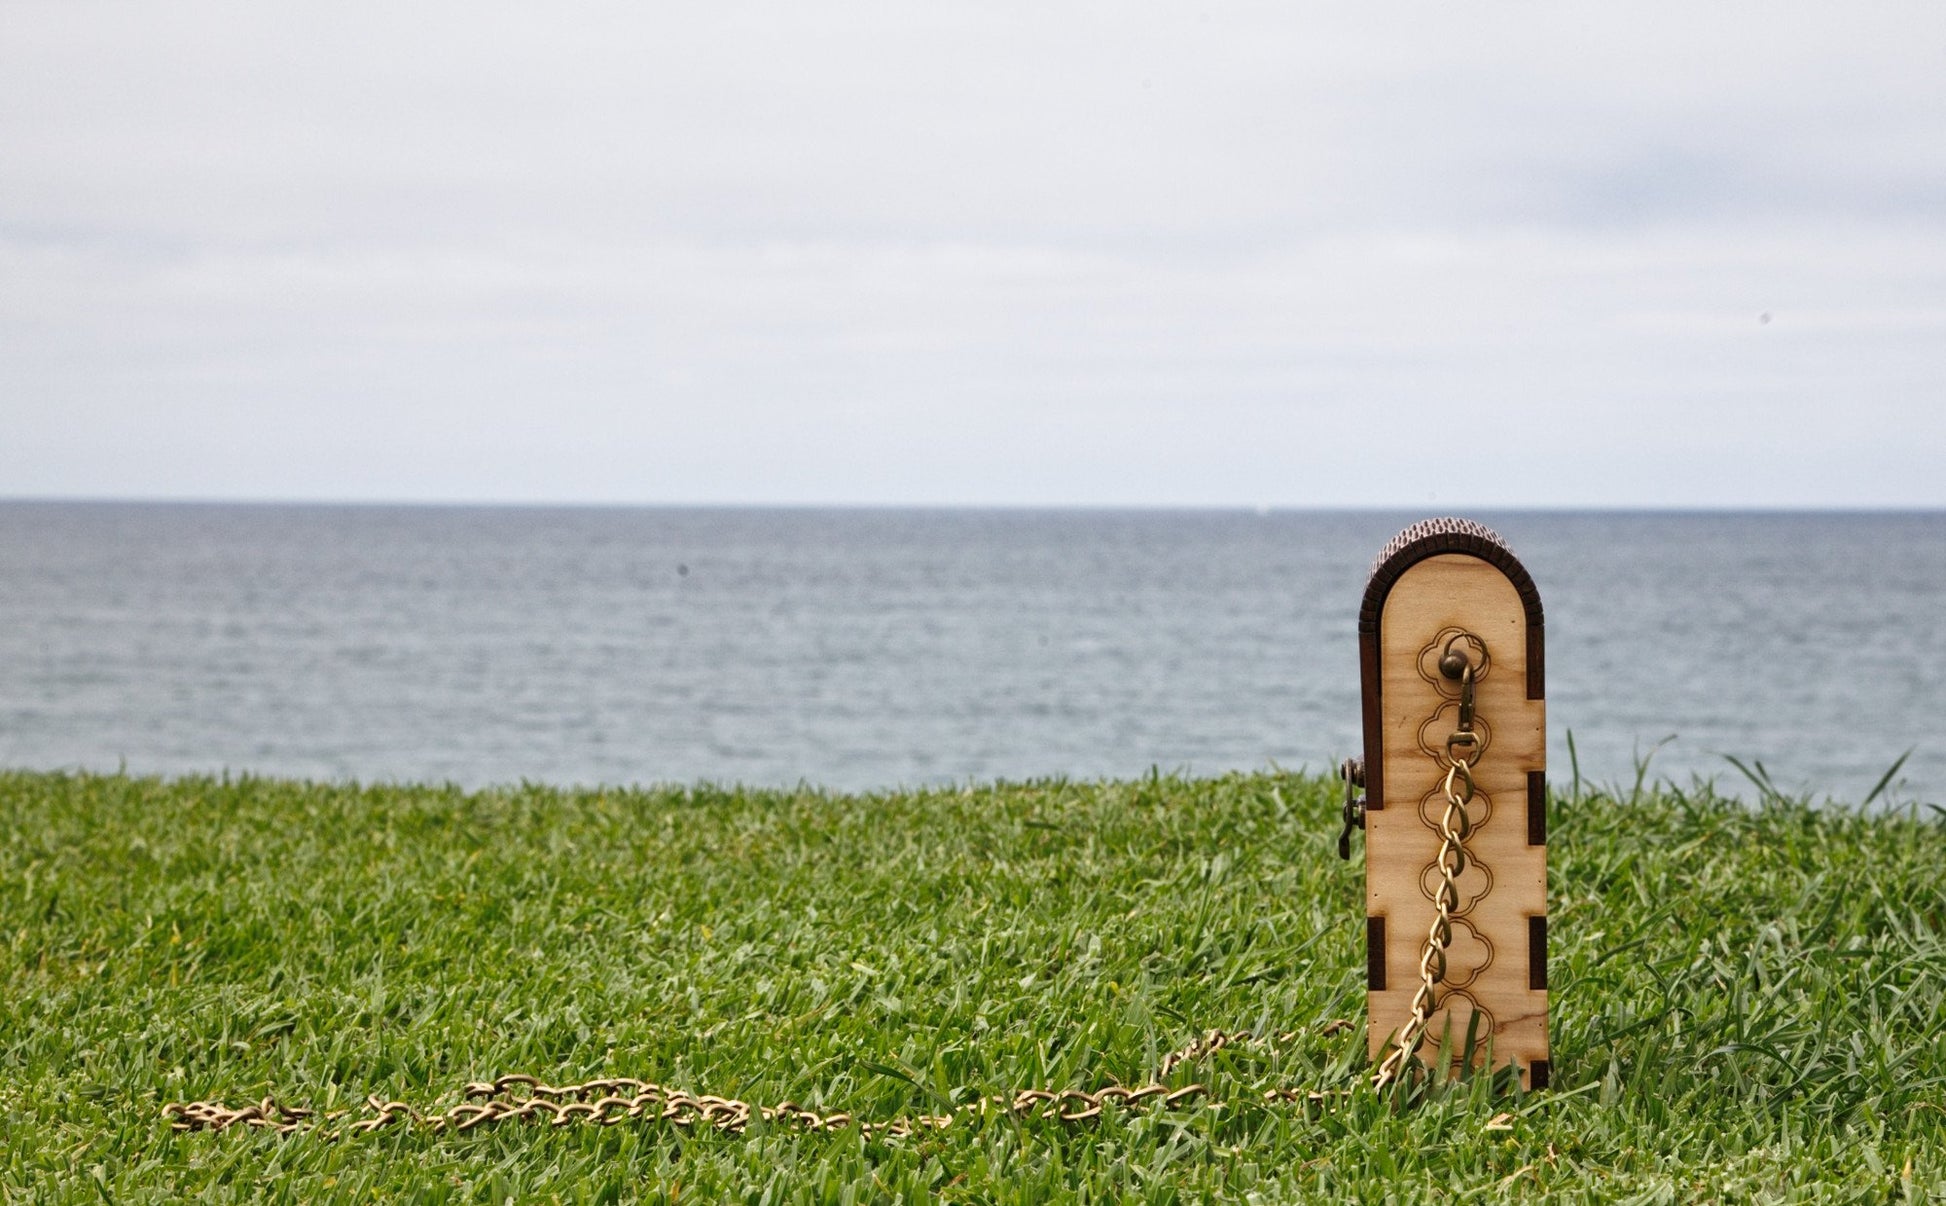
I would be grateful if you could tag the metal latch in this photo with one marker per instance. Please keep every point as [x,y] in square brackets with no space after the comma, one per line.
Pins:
[1352,771]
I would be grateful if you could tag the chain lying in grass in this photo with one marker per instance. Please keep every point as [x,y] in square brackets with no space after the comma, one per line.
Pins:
[520,1098]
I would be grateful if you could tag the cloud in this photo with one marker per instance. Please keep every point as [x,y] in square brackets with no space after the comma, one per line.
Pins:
[1064,253]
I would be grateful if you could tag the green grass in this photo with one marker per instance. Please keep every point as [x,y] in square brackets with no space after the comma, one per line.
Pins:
[1747,1004]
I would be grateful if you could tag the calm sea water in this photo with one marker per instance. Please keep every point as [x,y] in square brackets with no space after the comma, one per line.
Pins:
[863,649]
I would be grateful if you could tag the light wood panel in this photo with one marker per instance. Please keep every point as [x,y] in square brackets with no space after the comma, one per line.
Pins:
[1494,965]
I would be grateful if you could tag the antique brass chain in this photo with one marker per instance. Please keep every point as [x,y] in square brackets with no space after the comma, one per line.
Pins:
[616,1100]
[612,1101]
[609,1102]
[1461,754]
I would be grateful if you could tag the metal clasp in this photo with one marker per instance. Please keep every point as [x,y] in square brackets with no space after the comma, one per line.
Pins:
[1454,664]
[1352,771]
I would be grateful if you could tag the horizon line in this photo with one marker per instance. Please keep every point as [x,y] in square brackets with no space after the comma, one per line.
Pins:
[1224,508]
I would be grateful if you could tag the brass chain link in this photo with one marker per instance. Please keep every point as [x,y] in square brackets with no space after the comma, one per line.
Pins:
[1462,753]
[610,1101]
[607,1102]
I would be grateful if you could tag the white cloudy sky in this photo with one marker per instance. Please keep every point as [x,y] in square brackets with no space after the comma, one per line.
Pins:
[1238,254]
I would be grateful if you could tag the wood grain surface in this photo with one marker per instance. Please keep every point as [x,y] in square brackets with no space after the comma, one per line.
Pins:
[1497,961]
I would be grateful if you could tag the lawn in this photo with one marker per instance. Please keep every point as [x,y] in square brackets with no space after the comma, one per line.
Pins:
[1747,999]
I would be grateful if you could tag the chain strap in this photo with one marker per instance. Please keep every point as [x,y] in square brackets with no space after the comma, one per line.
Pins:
[611,1101]
[608,1102]
[1462,753]
[615,1100]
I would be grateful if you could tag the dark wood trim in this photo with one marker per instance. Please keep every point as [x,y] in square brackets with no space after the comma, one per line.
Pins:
[1375,954]
[1374,721]
[1430,538]
[1536,652]
[1537,952]
[1537,808]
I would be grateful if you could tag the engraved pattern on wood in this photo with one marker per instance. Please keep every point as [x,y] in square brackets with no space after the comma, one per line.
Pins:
[1488,962]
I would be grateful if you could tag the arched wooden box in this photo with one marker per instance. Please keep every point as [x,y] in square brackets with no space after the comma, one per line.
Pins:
[1435,578]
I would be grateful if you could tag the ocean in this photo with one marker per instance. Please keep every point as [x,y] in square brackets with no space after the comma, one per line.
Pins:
[865,649]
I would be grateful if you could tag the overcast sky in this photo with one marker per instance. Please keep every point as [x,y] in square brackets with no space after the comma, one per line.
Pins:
[1046,253]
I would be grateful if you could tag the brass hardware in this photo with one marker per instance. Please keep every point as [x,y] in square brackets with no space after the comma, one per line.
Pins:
[1444,659]
[608,1102]
[1352,771]
[1466,681]
[1463,750]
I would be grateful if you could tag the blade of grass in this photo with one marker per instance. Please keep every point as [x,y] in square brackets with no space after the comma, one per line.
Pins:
[1885,779]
